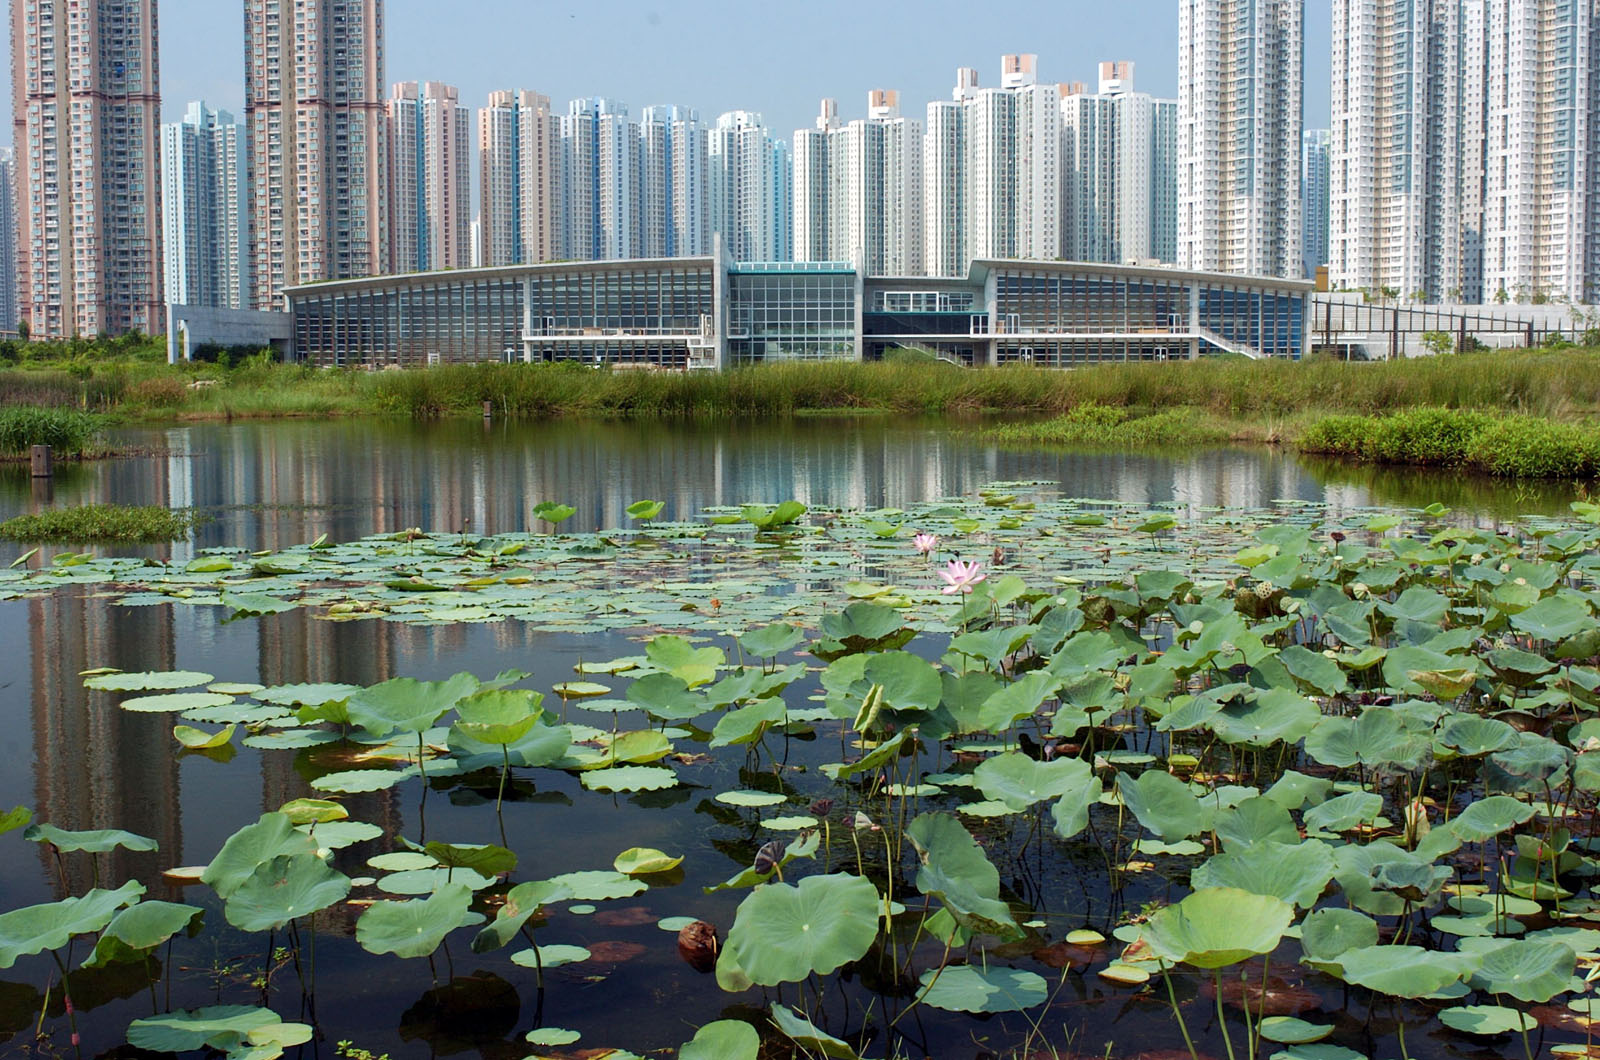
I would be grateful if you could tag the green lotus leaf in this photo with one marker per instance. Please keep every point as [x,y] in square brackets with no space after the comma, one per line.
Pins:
[36,928]
[878,756]
[498,718]
[336,835]
[1021,782]
[751,798]
[955,870]
[963,988]
[1344,812]
[1296,873]
[415,928]
[1327,934]
[252,846]
[14,818]
[95,842]
[255,605]
[676,656]
[723,1040]
[199,740]
[1218,927]
[407,705]
[1272,716]
[542,745]
[313,811]
[784,934]
[484,860]
[640,747]
[1254,821]
[1071,812]
[1376,738]
[599,885]
[1165,805]
[804,847]
[807,1036]
[1423,606]
[1490,817]
[630,778]
[137,930]
[1287,1030]
[748,725]
[645,511]
[1314,670]
[644,861]
[550,956]
[362,781]
[224,1027]
[521,904]
[429,880]
[1555,618]
[667,697]
[1022,698]
[1487,1020]
[169,681]
[314,695]
[1405,971]
[1473,737]
[286,888]
[771,641]
[1531,971]
[554,514]
[176,703]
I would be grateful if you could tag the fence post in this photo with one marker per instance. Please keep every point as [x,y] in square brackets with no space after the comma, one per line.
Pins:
[43,461]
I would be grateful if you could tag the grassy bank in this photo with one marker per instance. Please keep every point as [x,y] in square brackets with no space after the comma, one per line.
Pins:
[94,524]
[1505,446]
[1559,385]
[70,433]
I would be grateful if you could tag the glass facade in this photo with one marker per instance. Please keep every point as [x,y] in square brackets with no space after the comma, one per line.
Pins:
[791,312]
[676,314]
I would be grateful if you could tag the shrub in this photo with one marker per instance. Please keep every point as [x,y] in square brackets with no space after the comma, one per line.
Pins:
[1523,447]
[69,433]
[159,392]
[100,523]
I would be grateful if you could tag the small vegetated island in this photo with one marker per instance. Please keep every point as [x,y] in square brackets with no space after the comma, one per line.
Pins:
[1296,783]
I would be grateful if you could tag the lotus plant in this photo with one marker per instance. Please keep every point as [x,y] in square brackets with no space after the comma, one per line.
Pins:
[927,544]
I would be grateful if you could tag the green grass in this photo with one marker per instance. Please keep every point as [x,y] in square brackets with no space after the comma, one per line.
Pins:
[1101,426]
[1514,446]
[68,432]
[100,524]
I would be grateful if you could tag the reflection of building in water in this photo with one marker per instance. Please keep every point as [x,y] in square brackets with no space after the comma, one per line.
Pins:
[96,766]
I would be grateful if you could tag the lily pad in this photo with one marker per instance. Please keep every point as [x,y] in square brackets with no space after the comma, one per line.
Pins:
[964,988]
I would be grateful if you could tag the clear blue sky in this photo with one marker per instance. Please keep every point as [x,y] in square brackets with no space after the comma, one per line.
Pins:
[778,58]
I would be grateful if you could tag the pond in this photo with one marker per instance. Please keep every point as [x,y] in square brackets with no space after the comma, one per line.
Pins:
[636,636]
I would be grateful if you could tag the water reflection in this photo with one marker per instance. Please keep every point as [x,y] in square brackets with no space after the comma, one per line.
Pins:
[273,485]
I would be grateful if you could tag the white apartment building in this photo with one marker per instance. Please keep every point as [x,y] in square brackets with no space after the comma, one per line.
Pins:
[315,119]
[674,183]
[752,177]
[1120,196]
[1013,165]
[1240,72]
[8,241]
[858,189]
[599,181]
[944,180]
[86,126]
[203,220]
[1314,175]
[518,186]
[430,178]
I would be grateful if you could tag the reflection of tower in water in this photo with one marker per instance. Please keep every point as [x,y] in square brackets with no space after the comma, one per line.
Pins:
[96,766]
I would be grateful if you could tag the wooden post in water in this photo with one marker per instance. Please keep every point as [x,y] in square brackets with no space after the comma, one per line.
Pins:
[488,410]
[43,461]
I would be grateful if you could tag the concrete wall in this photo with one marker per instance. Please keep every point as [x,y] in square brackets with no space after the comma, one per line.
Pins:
[191,326]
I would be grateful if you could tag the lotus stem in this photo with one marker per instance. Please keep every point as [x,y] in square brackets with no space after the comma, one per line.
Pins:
[1172,996]
[505,769]
[1222,1019]
[1401,1031]
[72,1015]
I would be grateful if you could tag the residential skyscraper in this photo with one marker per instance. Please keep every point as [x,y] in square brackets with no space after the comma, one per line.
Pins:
[86,110]
[315,118]
[8,241]
[517,144]
[430,178]
[599,181]
[1314,176]
[1120,193]
[944,180]
[858,189]
[1240,71]
[1013,165]
[750,189]
[203,218]
[674,184]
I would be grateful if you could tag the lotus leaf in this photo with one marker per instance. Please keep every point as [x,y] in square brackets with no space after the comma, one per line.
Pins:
[306,695]
[1489,817]
[498,718]
[881,755]
[36,928]
[1404,971]
[416,928]
[803,847]
[1254,821]
[137,930]
[313,811]
[97,842]
[644,511]
[521,904]
[550,956]
[199,740]
[176,703]
[1296,873]
[1020,782]
[1071,813]
[771,641]
[252,846]
[224,1027]
[542,745]
[1327,934]
[148,682]
[361,781]
[808,1037]
[407,705]
[14,818]
[1344,812]
[723,1040]
[1287,1030]
[955,870]
[552,1036]
[484,860]
[676,656]
[1218,927]
[667,696]
[428,881]
[1473,737]
[1376,738]
[644,861]
[1486,1020]
[598,886]
[784,934]
[751,798]
[286,888]
[963,988]
[1165,805]
[1314,670]
[630,778]
[1555,618]
[1531,971]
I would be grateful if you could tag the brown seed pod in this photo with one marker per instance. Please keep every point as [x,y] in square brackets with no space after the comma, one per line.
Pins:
[698,946]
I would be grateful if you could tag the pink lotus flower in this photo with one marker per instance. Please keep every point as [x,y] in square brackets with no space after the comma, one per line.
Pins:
[925,543]
[960,577]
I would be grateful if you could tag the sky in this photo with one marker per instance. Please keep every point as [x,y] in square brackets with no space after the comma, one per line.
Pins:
[776,57]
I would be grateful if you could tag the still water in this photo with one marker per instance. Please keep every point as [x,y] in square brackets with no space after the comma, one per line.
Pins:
[81,765]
